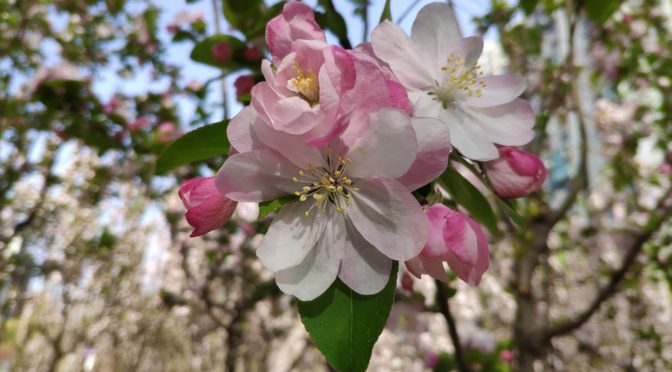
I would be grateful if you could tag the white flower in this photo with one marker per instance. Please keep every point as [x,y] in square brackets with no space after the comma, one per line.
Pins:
[439,69]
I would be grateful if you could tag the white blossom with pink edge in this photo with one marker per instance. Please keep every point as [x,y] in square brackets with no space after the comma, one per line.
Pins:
[440,71]
[454,238]
[516,173]
[352,216]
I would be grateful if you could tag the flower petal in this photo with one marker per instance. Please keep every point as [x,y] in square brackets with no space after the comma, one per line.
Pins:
[289,146]
[433,149]
[435,31]
[498,90]
[239,131]
[393,46]
[256,176]
[510,124]
[468,138]
[291,236]
[471,49]
[363,268]
[313,275]
[387,148]
[388,217]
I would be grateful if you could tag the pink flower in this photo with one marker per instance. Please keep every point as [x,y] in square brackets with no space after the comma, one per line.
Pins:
[351,217]
[506,356]
[516,173]
[172,28]
[296,22]
[439,69]
[243,85]
[431,359]
[456,239]
[167,132]
[252,54]
[407,282]
[138,124]
[221,51]
[207,208]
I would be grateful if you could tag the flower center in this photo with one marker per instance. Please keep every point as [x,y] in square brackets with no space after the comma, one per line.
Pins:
[458,81]
[305,84]
[326,185]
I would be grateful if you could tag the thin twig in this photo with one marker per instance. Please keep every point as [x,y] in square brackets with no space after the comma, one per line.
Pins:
[617,277]
[444,307]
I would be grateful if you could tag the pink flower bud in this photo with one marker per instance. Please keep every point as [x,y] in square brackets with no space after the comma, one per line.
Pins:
[138,124]
[506,356]
[455,238]
[172,28]
[516,173]
[666,168]
[252,54]
[207,208]
[221,51]
[243,85]
[167,132]
[431,359]
[407,282]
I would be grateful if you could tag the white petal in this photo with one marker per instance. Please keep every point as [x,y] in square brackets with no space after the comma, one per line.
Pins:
[468,137]
[291,236]
[256,176]
[510,124]
[393,46]
[436,33]
[433,150]
[388,216]
[472,47]
[312,276]
[363,268]
[498,90]
[387,148]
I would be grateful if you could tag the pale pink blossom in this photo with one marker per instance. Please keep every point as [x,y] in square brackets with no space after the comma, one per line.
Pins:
[167,132]
[506,356]
[207,208]
[352,216]
[137,124]
[439,69]
[516,173]
[454,238]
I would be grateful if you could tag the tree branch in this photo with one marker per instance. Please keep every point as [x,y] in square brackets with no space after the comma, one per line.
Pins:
[617,277]
[442,299]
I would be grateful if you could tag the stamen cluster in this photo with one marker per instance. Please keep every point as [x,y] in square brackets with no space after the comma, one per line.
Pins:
[458,78]
[305,84]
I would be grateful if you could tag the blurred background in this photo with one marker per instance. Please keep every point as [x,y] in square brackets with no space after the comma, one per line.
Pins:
[97,270]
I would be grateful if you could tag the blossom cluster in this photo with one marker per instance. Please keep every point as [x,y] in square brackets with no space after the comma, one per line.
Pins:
[344,137]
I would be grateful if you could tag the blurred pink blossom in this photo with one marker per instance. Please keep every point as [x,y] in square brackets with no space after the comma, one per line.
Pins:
[506,356]
[138,124]
[207,208]
[221,51]
[516,173]
[252,54]
[243,85]
[167,132]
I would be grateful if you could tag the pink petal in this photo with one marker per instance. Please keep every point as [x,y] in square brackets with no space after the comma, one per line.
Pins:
[467,138]
[289,146]
[433,150]
[510,124]
[240,133]
[388,217]
[388,148]
[207,208]
[296,22]
[256,176]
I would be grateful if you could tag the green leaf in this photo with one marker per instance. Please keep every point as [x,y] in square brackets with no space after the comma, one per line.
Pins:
[202,52]
[528,5]
[200,144]
[387,13]
[511,212]
[468,196]
[238,6]
[600,11]
[266,208]
[345,325]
